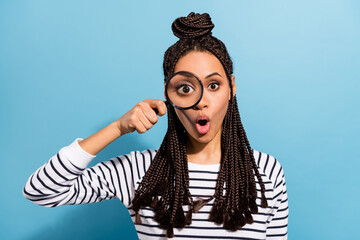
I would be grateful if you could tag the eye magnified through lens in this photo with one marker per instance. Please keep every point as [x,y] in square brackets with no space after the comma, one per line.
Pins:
[183,90]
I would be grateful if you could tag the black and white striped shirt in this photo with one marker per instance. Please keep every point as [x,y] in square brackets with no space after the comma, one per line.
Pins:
[65,180]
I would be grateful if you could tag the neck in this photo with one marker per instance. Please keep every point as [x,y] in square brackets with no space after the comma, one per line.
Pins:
[204,153]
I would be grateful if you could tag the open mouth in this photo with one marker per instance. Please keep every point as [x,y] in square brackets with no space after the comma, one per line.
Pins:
[202,122]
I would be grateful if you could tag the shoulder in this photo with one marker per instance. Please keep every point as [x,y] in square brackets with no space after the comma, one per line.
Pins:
[269,166]
[146,155]
[141,160]
[138,161]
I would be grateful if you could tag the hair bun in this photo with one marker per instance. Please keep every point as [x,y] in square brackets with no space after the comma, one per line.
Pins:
[192,26]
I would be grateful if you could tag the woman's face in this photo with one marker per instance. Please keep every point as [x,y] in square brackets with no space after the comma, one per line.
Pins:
[204,122]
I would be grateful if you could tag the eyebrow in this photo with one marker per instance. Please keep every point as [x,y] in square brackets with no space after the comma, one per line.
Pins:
[212,74]
[184,73]
[188,74]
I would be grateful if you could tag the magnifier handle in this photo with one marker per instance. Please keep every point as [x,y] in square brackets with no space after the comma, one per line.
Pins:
[157,111]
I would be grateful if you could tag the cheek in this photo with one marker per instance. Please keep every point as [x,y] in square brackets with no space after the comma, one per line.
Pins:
[183,118]
[222,103]
[222,111]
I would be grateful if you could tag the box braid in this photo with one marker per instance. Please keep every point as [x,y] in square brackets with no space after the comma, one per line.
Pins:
[165,185]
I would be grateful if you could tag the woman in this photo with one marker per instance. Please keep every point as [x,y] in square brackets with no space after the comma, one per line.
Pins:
[205,181]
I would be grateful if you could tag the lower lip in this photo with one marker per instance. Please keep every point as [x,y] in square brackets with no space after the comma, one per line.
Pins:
[203,129]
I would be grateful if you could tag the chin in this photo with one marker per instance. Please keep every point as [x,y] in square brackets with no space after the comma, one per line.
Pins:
[205,138]
[202,140]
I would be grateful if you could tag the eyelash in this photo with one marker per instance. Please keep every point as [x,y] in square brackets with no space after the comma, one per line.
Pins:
[216,83]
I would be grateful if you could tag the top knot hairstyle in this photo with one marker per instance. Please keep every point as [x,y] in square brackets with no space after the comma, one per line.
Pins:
[192,26]
[165,186]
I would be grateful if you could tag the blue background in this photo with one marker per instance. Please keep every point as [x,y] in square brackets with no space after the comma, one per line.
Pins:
[69,68]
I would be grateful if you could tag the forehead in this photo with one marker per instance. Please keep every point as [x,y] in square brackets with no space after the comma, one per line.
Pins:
[200,63]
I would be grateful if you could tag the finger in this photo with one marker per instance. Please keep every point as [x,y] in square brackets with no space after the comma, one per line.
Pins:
[149,113]
[135,122]
[145,121]
[158,104]
[140,128]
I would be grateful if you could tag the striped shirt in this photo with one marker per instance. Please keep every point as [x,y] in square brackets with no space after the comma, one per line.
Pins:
[65,180]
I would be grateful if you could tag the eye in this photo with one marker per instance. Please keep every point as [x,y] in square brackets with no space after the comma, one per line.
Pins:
[185,89]
[214,86]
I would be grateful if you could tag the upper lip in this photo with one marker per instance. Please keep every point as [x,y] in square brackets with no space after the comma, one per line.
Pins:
[202,117]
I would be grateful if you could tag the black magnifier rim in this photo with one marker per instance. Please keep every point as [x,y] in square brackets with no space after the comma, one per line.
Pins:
[176,106]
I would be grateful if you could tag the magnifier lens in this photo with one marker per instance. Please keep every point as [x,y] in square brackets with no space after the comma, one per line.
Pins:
[184,90]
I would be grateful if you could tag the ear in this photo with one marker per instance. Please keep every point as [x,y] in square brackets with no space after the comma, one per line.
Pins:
[233,85]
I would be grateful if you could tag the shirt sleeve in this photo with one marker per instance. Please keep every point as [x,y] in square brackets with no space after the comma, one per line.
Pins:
[278,221]
[65,180]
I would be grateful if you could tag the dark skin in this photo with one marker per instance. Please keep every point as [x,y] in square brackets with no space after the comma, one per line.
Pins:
[205,148]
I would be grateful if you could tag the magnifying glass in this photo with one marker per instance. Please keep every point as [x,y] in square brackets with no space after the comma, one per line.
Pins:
[183,90]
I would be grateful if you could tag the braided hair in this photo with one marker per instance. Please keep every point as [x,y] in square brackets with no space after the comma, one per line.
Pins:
[165,186]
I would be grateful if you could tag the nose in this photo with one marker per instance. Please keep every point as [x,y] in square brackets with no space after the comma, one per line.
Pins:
[203,102]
